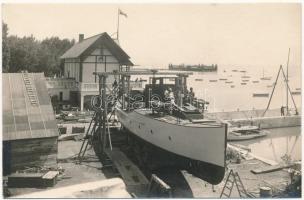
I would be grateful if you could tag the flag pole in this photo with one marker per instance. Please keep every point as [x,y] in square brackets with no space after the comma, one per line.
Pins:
[117,25]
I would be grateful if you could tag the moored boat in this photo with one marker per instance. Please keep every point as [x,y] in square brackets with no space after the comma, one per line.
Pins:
[260,94]
[296,92]
[245,133]
[266,78]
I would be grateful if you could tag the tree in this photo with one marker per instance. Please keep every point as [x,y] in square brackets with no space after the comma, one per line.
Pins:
[5,48]
[50,51]
[29,54]
[24,54]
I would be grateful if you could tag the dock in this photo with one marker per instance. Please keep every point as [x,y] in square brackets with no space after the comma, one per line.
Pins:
[272,118]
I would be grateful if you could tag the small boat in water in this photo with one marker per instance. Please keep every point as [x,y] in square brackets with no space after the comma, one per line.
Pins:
[198,79]
[260,94]
[264,78]
[245,133]
[296,92]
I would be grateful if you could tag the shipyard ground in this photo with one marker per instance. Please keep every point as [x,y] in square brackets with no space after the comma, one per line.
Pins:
[183,184]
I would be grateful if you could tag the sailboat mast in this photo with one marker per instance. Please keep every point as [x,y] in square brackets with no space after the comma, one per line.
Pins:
[287,111]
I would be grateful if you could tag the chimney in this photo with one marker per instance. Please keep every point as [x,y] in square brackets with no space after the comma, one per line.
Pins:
[81,37]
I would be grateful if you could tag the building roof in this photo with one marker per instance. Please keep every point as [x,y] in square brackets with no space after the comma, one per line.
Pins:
[27,109]
[82,48]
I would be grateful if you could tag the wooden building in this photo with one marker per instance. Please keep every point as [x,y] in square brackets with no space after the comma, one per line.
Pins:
[29,127]
[99,53]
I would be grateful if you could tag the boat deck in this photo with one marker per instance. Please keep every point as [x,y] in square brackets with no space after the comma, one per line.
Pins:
[183,122]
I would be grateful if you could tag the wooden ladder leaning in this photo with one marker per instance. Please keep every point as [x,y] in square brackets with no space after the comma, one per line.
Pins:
[88,137]
[233,178]
[30,89]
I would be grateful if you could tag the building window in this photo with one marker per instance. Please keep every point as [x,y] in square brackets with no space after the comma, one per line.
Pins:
[99,58]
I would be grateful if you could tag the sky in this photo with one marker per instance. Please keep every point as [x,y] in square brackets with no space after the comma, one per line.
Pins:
[249,35]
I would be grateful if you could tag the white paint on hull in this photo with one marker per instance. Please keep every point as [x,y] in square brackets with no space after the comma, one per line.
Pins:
[205,144]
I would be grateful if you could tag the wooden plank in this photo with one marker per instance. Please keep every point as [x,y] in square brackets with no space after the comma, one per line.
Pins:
[50,178]
[131,174]
[50,175]
[268,169]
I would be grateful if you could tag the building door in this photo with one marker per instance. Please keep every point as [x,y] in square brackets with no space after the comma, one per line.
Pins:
[60,96]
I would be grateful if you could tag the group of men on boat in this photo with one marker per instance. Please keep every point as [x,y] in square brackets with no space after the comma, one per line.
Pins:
[188,98]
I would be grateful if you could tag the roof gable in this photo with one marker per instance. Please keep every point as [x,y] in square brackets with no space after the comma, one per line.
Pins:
[85,47]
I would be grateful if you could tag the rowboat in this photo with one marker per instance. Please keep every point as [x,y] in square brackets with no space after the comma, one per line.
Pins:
[245,133]
[260,94]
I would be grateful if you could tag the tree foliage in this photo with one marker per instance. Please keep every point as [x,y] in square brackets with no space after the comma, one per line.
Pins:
[28,53]
[5,48]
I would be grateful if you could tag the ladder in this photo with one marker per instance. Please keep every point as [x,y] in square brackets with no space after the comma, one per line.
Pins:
[88,137]
[31,91]
[233,178]
[96,124]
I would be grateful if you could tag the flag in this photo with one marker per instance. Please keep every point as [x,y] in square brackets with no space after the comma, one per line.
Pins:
[122,13]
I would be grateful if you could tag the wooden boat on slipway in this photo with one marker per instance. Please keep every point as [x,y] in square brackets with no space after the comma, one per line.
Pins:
[245,133]
[198,143]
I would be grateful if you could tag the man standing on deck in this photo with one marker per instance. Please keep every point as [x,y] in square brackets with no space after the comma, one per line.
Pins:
[191,95]
[282,111]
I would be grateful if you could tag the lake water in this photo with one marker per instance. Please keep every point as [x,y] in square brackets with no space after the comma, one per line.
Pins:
[223,97]
[277,143]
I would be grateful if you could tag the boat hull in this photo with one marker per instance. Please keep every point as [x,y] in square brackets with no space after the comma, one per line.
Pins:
[204,148]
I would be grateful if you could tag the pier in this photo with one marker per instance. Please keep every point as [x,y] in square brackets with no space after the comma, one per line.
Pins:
[272,118]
